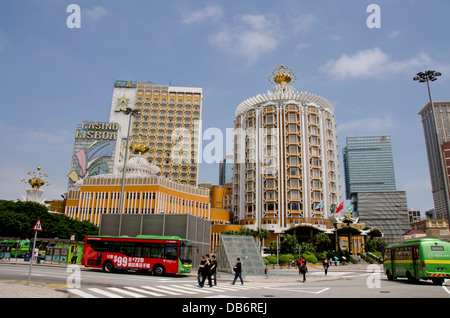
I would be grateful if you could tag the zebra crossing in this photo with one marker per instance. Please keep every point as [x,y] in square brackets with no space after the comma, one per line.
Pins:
[168,290]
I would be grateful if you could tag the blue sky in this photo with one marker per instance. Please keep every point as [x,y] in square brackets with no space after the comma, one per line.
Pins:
[55,77]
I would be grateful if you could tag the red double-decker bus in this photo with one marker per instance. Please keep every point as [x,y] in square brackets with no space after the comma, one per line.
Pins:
[157,254]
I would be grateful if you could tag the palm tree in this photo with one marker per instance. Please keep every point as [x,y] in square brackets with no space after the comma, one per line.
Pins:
[322,240]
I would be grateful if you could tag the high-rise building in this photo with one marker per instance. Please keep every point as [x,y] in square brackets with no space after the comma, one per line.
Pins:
[169,123]
[368,164]
[286,168]
[436,127]
[226,171]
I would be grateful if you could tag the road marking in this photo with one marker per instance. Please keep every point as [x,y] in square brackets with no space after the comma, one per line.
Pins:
[104,293]
[144,291]
[175,290]
[160,290]
[198,289]
[80,293]
[126,292]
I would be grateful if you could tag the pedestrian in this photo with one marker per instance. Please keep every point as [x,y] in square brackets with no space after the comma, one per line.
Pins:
[326,264]
[74,256]
[237,271]
[214,269]
[200,271]
[206,272]
[303,268]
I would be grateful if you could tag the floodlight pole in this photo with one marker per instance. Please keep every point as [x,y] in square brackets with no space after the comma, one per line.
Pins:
[131,112]
[428,76]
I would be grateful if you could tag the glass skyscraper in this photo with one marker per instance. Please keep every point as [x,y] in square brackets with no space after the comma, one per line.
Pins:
[368,164]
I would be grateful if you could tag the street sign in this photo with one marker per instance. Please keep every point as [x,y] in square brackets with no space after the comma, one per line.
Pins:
[38,226]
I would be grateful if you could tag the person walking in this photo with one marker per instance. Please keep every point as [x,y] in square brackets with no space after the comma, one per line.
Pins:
[237,271]
[206,272]
[214,269]
[326,264]
[302,267]
[200,271]
[75,256]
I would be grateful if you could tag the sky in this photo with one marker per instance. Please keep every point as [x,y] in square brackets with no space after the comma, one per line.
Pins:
[55,76]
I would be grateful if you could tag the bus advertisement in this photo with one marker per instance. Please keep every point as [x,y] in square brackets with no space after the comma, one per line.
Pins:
[416,259]
[160,255]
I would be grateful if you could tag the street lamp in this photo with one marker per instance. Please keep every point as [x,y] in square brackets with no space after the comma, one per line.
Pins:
[432,76]
[131,112]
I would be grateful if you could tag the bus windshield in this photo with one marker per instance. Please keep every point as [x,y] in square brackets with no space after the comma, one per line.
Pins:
[186,253]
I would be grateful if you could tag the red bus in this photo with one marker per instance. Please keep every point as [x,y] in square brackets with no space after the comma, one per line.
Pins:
[157,254]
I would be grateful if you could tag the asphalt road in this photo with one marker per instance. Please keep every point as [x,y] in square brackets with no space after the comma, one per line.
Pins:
[341,282]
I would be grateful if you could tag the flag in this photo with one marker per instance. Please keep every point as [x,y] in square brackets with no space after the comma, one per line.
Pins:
[341,206]
[318,206]
[333,208]
[350,208]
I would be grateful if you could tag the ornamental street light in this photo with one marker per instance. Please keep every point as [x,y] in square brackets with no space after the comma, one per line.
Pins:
[130,112]
[432,76]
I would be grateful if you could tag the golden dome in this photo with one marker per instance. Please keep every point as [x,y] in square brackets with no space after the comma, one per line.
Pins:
[282,75]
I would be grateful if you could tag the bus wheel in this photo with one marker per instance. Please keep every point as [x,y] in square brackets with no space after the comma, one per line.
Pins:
[389,275]
[158,270]
[108,267]
[437,281]
[411,279]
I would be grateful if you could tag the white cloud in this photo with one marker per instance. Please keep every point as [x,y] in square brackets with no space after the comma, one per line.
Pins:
[95,13]
[248,37]
[212,12]
[372,62]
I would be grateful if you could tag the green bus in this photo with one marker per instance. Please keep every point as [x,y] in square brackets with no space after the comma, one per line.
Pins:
[415,259]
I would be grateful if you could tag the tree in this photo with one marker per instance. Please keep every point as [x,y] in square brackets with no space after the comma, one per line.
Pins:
[289,244]
[18,218]
[322,241]
[374,245]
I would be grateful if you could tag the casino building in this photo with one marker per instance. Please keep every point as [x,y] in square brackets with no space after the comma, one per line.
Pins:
[169,122]
[286,168]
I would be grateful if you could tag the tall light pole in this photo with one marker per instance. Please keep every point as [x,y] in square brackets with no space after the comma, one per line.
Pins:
[130,112]
[432,76]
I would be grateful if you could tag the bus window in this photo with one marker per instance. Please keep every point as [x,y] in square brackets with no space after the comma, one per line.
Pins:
[157,250]
[172,251]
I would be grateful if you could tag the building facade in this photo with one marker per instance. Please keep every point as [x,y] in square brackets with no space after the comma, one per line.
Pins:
[436,127]
[93,150]
[286,166]
[145,192]
[385,210]
[368,164]
[169,122]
